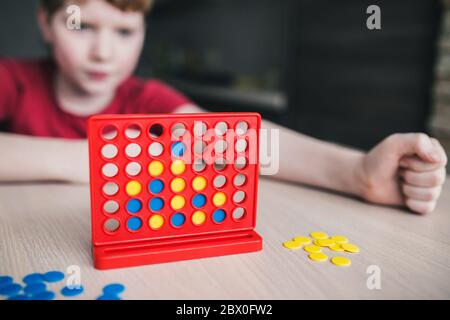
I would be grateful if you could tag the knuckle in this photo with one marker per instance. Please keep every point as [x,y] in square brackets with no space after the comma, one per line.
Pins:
[421,138]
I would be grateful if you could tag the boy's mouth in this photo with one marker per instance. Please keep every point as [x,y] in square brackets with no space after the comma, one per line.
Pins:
[97,76]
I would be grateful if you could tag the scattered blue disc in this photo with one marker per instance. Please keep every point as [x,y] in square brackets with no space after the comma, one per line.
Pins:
[134,223]
[178,219]
[134,206]
[19,297]
[72,292]
[33,278]
[35,288]
[10,289]
[156,204]
[219,216]
[199,201]
[5,280]
[45,295]
[113,289]
[178,149]
[156,186]
[108,297]
[53,276]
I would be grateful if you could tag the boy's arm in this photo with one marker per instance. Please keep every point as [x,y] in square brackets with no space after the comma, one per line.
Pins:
[26,158]
[404,169]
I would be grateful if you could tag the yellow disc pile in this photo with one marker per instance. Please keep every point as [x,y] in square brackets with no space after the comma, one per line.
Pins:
[317,241]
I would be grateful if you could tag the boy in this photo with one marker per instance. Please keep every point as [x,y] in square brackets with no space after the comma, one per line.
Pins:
[46,104]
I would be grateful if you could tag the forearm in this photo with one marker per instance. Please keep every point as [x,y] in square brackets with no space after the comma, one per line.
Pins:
[26,158]
[310,161]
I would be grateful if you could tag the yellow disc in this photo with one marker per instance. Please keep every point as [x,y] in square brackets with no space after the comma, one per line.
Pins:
[133,188]
[312,249]
[339,239]
[316,243]
[198,218]
[177,202]
[350,247]
[341,261]
[324,242]
[302,240]
[155,168]
[199,184]
[156,222]
[219,199]
[178,167]
[178,185]
[319,256]
[336,247]
[319,235]
[292,245]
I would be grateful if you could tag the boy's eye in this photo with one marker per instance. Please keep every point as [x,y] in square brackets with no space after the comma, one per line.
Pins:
[86,26]
[125,32]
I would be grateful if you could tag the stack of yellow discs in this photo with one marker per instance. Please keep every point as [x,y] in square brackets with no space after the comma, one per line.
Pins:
[319,240]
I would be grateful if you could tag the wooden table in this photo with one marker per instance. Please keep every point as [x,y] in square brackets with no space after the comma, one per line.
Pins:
[47,226]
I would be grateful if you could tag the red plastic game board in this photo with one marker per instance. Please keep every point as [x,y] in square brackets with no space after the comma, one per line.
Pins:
[168,187]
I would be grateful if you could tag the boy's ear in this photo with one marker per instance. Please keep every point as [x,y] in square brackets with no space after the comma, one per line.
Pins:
[44,24]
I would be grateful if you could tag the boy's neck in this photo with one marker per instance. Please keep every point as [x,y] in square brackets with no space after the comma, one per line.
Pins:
[73,100]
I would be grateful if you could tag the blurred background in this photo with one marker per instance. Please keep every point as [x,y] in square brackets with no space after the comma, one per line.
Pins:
[311,65]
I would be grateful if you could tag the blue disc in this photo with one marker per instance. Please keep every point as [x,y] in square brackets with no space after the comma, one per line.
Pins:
[108,297]
[178,219]
[34,288]
[113,289]
[19,297]
[33,278]
[5,280]
[72,292]
[10,289]
[53,276]
[199,200]
[134,223]
[156,204]
[134,206]
[178,149]
[156,186]
[44,295]
[219,215]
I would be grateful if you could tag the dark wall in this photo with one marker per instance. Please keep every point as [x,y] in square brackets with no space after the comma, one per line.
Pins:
[353,85]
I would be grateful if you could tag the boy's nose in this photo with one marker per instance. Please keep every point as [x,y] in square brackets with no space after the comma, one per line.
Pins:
[102,47]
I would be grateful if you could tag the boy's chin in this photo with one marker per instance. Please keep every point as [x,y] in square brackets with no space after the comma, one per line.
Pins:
[98,88]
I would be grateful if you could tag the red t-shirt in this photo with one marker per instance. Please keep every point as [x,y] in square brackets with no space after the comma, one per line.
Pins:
[28,104]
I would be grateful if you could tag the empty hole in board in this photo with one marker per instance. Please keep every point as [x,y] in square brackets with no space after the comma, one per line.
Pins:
[239,180]
[111,225]
[111,206]
[220,164]
[110,170]
[241,163]
[221,128]
[220,146]
[219,181]
[133,169]
[155,149]
[238,213]
[133,150]
[200,129]
[109,151]
[239,196]
[241,145]
[133,131]
[199,165]
[178,130]
[241,128]
[110,188]
[109,132]
[156,130]
[199,147]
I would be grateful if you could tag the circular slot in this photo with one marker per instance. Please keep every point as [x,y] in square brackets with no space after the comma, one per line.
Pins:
[155,149]
[109,132]
[178,130]
[111,225]
[241,128]
[133,169]
[156,130]
[219,181]
[110,170]
[221,128]
[238,214]
[111,206]
[133,150]
[109,151]
[110,188]
[133,131]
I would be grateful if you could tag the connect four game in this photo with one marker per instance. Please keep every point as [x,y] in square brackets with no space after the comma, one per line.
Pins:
[168,187]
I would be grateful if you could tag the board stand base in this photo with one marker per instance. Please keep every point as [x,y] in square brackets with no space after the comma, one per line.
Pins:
[169,250]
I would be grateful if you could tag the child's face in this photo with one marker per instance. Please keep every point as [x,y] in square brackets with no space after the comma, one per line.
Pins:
[97,58]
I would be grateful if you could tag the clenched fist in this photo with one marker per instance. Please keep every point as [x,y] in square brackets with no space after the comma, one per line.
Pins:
[404,169]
